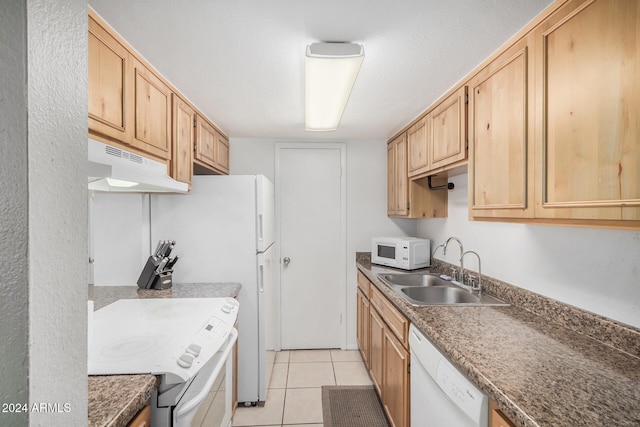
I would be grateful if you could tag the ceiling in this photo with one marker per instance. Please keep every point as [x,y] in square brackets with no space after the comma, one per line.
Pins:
[241,62]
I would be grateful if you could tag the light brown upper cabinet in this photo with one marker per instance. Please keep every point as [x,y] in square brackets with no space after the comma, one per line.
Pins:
[110,84]
[588,129]
[418,142]
[128,103]
[439,138]
[555,120]
[211,148]
[132,106]
[397,178]
[448,128]
[152,113]
[184,117]
[411,198]
[500,138]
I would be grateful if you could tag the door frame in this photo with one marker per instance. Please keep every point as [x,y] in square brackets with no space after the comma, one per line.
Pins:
[342,286]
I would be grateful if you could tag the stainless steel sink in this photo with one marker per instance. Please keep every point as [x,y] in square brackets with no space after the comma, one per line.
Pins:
[446,295]
[430,289]
[413,279]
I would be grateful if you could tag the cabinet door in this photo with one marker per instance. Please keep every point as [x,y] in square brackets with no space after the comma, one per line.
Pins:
[391,179]
[448,127]
[397,178]
[395,383]
[500,181]
[588,67]
[362,327]
[152,113]
[205,142]
[402,178]
[222,154]
[183,140]
[376,331]
[109,85]
[417,147]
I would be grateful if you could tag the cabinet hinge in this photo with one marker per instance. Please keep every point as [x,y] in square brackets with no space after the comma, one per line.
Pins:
[408,205]
[466,99]
[409,368]
[194,123]
[195,147]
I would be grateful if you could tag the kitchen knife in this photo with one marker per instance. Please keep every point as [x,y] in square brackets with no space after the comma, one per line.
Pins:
[157,251]
[163,248]
[172,262]
[162,265]
[168,250]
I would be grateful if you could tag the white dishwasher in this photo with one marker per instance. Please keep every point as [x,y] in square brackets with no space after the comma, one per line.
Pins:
[440,395]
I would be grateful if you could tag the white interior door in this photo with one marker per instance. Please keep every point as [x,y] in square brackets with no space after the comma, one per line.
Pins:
[310,194]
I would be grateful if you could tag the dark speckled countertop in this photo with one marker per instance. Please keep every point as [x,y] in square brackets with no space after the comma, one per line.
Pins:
[538,359]
[115,399]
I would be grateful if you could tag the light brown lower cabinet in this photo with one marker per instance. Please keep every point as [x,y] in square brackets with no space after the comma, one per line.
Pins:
[395,380]
[362,332]
[497,418]
[376,364]
[388,351]
[142,419]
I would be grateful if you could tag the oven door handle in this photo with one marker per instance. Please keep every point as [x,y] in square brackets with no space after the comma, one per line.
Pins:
[185,407]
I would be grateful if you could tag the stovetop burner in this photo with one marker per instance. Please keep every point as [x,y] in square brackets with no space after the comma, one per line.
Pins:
[123,349]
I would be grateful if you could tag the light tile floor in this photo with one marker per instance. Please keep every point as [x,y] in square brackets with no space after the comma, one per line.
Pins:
[294,395]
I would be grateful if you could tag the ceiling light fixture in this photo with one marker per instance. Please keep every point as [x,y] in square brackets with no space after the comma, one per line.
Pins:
[331,71]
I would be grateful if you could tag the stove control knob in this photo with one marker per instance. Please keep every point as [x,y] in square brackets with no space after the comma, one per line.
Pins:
[186,360]
[227,308]
[193,349]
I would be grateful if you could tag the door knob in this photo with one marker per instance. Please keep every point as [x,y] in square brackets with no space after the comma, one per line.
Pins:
[286,260]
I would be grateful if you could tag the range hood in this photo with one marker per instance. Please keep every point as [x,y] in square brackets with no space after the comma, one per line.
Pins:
[116,170]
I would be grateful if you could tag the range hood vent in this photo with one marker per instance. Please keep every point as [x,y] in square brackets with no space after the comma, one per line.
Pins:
[115,170]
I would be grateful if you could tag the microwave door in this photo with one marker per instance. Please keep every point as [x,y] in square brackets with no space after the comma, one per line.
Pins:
[387,251]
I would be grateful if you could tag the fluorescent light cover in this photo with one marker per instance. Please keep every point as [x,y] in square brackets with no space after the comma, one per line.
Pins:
[331,71]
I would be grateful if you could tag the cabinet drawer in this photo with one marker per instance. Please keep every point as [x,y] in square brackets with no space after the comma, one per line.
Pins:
[142,419]
[497,419]
[392,317]
[363,284]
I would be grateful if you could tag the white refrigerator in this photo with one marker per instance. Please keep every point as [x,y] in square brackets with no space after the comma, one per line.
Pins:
[225,232]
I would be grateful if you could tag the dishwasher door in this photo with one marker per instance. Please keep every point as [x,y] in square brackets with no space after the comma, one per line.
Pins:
[440,394]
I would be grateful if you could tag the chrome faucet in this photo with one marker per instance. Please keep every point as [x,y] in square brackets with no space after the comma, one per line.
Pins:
[436,249]
[471,284]
[444,252]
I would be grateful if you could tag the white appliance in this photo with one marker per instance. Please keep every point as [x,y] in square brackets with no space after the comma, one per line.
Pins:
[116,170]
[225,231]
[440,394]
[407,253]
[187,342]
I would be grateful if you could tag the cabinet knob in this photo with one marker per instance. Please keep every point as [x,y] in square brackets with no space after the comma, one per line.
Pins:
[286,260]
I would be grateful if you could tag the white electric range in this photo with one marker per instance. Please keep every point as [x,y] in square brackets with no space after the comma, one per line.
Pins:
[187,342]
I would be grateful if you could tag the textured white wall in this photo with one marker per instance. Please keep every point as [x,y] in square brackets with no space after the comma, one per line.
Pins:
[57,189]
[366,200]
[591,268]
[14,385]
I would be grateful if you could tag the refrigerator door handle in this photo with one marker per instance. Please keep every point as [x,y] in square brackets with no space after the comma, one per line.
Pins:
[261,277]
[260,228]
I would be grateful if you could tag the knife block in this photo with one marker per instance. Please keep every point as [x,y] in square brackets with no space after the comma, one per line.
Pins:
[150,278]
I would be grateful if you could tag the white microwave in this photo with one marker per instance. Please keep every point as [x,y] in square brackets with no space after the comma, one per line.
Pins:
[407,253]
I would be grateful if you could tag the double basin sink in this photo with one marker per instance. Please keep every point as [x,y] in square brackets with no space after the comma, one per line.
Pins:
[431,289]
